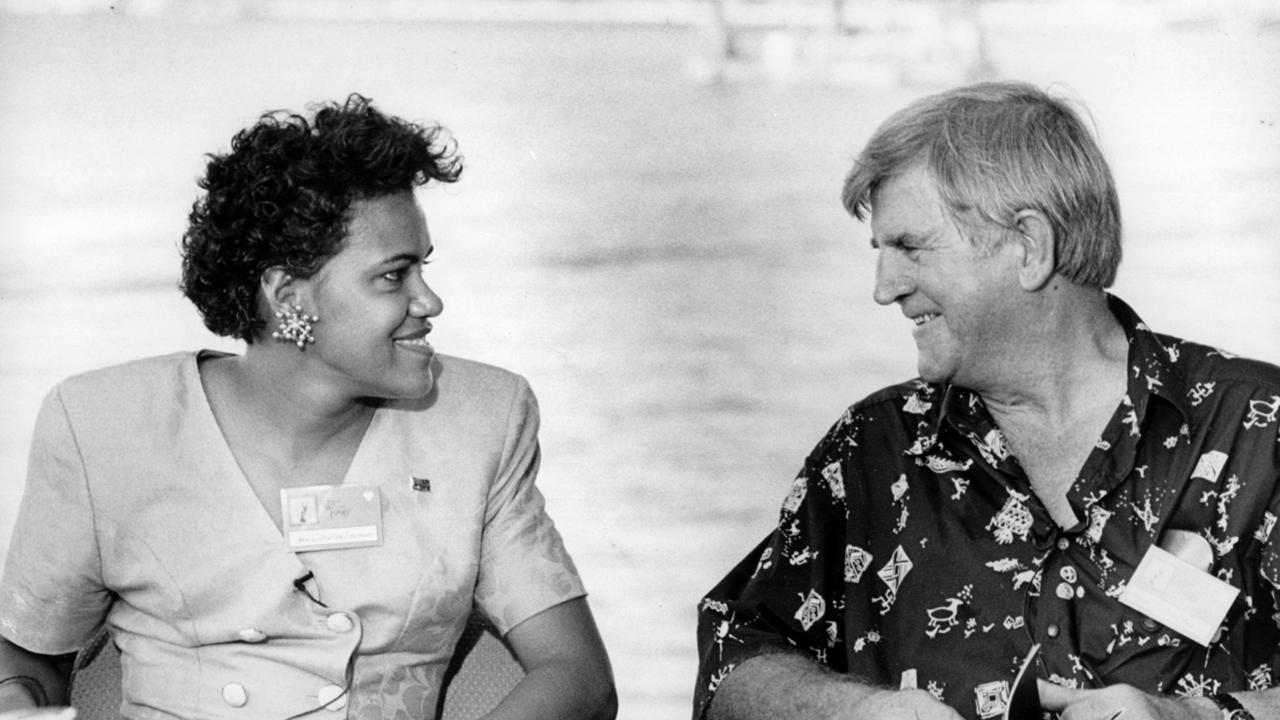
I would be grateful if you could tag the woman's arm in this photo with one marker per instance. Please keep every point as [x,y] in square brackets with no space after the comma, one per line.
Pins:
[50,673]
[568,673]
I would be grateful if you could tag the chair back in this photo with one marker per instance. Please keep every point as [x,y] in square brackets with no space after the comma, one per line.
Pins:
[483,670]
[95,680]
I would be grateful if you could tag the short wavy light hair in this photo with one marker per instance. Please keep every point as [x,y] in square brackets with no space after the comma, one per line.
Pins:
[282,198]
[995,149]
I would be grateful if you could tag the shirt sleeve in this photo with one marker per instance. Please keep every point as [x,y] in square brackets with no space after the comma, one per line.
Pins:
[787,595]
[52,597]
[1261,668]
[524,567]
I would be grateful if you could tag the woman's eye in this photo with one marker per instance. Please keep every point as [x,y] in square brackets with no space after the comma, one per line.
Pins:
[394,275]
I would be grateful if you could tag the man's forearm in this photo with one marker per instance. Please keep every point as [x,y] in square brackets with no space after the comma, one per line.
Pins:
[785,685]
[1261,703]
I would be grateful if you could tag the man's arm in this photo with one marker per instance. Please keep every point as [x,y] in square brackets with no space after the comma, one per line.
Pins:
[781,686]
[51,674]
[1129,703]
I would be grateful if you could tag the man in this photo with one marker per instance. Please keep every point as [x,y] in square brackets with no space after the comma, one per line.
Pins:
[1007,497]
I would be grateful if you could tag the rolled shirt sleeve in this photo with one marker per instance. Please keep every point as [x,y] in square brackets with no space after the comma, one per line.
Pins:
[788,594]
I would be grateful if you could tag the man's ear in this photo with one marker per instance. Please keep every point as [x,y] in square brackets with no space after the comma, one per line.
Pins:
[1034,235]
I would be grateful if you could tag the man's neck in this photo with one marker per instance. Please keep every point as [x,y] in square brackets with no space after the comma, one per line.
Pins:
[1059,396]
[1072,354]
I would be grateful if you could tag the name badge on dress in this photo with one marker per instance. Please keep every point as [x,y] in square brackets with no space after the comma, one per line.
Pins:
[330,517]
[1179,595]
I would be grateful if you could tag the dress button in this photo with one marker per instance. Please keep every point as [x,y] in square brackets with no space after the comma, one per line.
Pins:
[1051,631]
[339,623]
[332,694]
[1065,591]
[252,635]
[1150,625]
[1063,543]
[235,695]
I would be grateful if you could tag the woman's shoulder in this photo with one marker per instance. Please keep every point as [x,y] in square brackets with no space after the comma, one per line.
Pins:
[147,371]
[468,394]
[129,384]
[460,377]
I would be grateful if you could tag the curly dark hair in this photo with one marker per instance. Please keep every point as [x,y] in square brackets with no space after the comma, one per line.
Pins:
[282,198]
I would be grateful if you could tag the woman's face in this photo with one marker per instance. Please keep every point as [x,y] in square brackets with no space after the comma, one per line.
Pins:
[374,306]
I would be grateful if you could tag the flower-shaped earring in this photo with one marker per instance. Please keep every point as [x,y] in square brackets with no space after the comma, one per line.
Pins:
[295,326]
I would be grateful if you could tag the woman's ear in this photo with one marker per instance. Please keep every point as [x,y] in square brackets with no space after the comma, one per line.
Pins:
[1034,234]
[278,289]
[286,302]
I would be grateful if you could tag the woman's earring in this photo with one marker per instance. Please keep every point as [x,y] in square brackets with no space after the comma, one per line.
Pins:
[295,326]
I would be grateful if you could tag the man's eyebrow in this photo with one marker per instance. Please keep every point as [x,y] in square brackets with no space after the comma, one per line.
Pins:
[894,241]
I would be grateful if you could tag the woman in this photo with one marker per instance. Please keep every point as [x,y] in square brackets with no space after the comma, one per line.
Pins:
[303,528]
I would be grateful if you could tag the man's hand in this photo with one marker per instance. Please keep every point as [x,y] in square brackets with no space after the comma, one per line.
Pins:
[903,705]
[1121,702]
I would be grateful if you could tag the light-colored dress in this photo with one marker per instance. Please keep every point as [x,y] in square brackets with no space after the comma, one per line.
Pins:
[136,513]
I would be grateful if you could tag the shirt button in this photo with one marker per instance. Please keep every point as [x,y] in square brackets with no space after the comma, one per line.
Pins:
[332,694]
[1063,543]
[252,635]
[1051,631]
[339,623]
[235,695]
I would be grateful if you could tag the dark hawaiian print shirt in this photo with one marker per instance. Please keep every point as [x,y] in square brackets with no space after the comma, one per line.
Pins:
[911,549]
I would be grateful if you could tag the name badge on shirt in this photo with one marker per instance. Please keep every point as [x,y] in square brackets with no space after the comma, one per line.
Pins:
[330,517]
[1179,595]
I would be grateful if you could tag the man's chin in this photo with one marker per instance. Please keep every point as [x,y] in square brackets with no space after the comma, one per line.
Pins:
[932,373]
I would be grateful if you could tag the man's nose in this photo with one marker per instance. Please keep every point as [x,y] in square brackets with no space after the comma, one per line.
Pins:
[892,282]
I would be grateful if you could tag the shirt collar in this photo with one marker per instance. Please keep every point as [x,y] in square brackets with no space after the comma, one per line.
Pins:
[1152,363]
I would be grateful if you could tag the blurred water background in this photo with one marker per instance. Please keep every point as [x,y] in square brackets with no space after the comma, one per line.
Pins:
[665,258]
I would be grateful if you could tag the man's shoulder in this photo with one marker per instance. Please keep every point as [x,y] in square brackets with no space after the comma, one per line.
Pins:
[910,396]
[1201,364]
[908,402]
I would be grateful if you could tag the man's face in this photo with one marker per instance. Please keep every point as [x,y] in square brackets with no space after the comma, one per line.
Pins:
[960,298]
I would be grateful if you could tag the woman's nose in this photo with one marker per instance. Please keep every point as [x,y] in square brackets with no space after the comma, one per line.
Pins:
[425,302]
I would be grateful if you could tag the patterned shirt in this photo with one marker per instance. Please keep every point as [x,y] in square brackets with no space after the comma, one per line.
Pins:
[912,550]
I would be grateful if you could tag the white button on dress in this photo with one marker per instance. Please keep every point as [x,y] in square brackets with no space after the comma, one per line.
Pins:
[339,623]
[332,694]
[252,635]
[235,695]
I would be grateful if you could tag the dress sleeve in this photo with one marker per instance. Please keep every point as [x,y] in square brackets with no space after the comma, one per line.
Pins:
[524,567]
[52,597]
[788,594]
